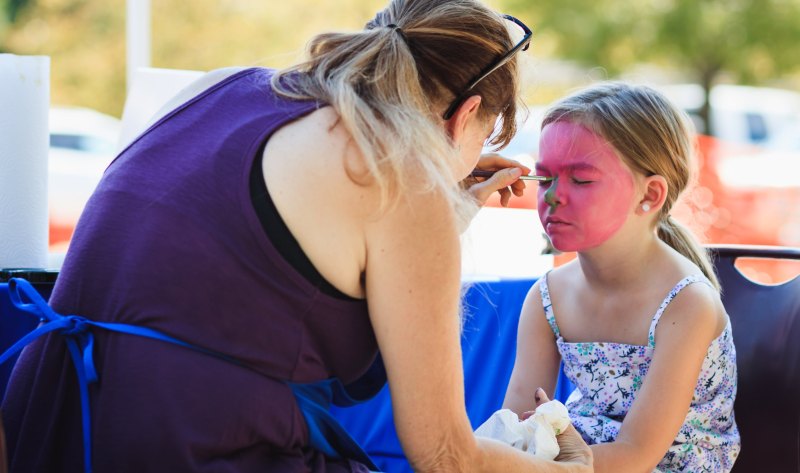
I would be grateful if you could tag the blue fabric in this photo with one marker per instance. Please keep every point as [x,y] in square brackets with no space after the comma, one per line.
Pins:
[488,344]
[314,399]
[12,328]
[324,431]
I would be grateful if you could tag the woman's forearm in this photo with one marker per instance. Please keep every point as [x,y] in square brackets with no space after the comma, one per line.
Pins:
[496,456]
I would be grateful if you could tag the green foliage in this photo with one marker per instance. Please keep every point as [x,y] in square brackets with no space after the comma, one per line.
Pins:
[9,9]
[86,38]
[752,40]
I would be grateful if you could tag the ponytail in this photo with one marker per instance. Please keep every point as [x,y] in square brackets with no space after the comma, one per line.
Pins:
[681,240]
[390,82]
[385,112]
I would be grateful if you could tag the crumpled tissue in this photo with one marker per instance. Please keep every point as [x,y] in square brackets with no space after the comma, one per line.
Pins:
[535,435]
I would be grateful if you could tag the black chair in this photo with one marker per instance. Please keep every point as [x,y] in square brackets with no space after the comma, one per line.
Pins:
[766,333]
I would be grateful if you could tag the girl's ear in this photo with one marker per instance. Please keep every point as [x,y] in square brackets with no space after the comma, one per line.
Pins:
[468,110]
[655,194]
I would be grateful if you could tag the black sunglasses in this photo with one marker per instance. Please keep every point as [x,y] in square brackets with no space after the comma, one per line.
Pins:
[521,46]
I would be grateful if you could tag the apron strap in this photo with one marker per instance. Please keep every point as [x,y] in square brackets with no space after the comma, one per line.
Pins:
[314,399]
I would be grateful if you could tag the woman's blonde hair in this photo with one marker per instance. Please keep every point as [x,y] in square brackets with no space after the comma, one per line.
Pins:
[391,82]
[653,137]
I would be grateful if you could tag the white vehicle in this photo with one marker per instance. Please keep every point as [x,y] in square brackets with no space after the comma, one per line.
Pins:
[83,142]
[743,115]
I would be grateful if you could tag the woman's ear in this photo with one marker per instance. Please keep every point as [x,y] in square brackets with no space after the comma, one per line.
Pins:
[468,110]
[655,194]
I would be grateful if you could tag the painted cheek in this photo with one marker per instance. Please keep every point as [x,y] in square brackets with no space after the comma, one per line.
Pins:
[599,215]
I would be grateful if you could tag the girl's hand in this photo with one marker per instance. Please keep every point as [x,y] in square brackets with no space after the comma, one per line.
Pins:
[506,181]
[573,448]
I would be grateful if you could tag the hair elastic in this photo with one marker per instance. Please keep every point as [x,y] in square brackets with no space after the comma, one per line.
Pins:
[398,30]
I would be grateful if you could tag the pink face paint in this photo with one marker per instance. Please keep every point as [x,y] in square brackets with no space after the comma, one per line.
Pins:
[592,192]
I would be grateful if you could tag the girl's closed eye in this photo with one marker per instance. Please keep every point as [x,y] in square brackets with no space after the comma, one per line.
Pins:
[580,182]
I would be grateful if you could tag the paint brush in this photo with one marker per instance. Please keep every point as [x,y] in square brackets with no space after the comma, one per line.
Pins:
[488,174]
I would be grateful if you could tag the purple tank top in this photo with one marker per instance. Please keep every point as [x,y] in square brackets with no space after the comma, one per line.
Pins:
[170,241]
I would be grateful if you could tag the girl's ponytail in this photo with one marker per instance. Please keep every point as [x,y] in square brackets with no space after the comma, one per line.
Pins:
[681,240]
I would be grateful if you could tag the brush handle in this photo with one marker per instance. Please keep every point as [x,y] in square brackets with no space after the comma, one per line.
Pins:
[488,174]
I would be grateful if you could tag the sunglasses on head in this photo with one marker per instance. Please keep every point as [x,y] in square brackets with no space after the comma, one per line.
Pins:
[522,45]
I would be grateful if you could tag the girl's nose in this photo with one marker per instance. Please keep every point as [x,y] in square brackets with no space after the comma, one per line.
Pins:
[552,197]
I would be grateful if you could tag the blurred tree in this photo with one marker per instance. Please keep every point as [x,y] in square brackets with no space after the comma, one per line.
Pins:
[86,38]
[86,44]
[9,9]
[12,7]
[751,40]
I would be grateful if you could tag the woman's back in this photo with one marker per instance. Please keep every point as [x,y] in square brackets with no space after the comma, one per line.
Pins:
[148,251]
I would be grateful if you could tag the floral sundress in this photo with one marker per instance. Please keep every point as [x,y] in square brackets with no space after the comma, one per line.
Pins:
[608,376]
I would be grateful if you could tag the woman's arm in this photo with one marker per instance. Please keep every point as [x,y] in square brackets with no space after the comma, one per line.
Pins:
[537,361]
[689,324]
[413,286]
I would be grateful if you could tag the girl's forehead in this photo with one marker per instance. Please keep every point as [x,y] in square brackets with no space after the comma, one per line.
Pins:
[569,134]
[565,141]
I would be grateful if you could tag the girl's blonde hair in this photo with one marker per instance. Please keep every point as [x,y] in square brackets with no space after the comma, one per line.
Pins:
[391,82]
[652,136]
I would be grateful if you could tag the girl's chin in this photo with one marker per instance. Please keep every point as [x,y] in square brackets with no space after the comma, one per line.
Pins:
[567,245]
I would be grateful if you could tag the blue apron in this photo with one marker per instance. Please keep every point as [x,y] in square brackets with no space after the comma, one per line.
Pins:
[313,399]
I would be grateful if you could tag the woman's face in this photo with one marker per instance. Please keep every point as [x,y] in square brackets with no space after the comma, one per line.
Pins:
[472,143]
[592,193]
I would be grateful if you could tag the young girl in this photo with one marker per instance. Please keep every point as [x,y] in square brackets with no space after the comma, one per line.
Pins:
[636,318]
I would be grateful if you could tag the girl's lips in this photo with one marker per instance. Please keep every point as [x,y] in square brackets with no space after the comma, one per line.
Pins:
[555,220]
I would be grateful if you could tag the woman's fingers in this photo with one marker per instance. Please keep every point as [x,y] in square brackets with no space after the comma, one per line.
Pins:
[573,448]
[499,182]
[505,180]
[571,444]
[493,162]
[540,397]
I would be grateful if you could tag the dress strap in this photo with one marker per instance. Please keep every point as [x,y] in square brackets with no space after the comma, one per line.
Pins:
[651,334]
[548,305]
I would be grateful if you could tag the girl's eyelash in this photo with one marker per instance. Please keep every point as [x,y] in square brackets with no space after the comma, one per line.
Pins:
[579,182]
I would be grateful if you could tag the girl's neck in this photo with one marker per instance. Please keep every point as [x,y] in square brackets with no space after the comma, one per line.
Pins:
[621,263]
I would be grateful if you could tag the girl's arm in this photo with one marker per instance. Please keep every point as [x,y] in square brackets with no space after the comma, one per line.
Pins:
[413,286]
[686,329]
[537,361]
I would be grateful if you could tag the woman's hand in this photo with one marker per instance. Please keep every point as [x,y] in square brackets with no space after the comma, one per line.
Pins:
[505,181]
[573,448]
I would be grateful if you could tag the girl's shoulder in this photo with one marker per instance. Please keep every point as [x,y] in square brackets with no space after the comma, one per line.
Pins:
[695,304]
[566,275]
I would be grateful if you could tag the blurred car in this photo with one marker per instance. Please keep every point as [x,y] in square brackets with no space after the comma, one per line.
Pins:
[741,114]
[83,142]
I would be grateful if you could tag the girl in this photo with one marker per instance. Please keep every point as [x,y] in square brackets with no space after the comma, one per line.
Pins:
[636,318]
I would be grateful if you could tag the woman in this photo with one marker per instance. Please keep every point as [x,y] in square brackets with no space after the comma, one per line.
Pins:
[290,224]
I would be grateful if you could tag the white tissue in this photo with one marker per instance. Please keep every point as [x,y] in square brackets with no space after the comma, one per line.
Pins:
[24,144]
[535,435]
